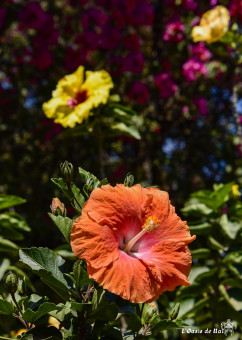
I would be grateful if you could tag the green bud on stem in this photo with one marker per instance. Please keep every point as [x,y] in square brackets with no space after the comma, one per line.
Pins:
[67,172]
[129,180]
[21,286]
[10,282]
[175,311]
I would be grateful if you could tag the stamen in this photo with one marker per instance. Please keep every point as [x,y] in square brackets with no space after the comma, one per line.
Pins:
[80,97]
[152,223]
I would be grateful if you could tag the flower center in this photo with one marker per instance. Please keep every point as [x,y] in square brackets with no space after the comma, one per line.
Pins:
[151,223]
[80,97]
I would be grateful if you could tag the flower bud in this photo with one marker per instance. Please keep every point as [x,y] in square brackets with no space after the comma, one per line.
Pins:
[57,208]
[67,171]
[129,180]
[175,311]
[10,282]
[21,286]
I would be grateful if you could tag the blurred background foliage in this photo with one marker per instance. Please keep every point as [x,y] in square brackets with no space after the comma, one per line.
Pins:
[188,98]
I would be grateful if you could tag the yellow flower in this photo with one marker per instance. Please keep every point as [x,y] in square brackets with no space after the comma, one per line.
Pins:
[213,25]
[74,98]
[54,322]
[235,190]
[19,332]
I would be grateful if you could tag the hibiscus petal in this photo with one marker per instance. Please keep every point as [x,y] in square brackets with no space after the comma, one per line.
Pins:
[174,262]
[129,277]
[93,242]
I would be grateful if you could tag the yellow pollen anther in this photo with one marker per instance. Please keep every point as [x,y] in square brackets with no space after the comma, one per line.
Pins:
[152,223]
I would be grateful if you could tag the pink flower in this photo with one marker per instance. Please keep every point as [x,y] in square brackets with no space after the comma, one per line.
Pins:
[132,42]
[134,62]
[200,51]
[139,92]
[165,84]
[201,105]
[174,31]
[33,16]
[193,69]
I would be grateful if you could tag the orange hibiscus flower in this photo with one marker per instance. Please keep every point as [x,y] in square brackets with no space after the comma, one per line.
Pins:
[134,243]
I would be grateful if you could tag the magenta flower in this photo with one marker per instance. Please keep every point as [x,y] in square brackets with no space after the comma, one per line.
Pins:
[48,35]
[165,84]
[193,69]
[142,16]
[200,51]
[235,9]
[33,16]
[110,38]
[132,42]
[93,18]
[42,58]
[134,62]
[190,5]
[201,105]
[139,93]
[174,31]
[3,13]
[116,65]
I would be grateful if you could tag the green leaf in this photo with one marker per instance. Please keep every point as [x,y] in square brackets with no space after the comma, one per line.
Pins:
[4,264]
[186,306]
[8,246]
[45,263]
[214,244]
[43,309]
[78,199]
[234,257]
[127,130]
[199,272]
[231,229]
[167,324]
[214,199]
[196,209]
[15,220]
[133,321]
[64,224]
[81,277]
[201,253]
[91,181]
[232,282]
[35,301]
[101,308]
[222,193]
[65,252]
[198,229]
[73,193]
[233,296]
[63,187]
[6,307]
[7,201]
